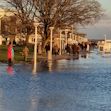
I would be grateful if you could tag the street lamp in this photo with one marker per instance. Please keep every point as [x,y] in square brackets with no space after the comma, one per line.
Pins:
[0,25]
[60,41]
[66,32]
[51,31]
[70,35]
[36,24]
[72,31]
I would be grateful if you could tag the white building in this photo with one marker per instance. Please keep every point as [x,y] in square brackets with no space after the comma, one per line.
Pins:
[20,38]
[31,39]
[104,46]
[80,37]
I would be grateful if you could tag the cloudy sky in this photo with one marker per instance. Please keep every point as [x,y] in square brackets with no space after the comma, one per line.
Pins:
[102,28]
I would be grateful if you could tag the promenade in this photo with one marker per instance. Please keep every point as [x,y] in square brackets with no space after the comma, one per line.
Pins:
[59,57]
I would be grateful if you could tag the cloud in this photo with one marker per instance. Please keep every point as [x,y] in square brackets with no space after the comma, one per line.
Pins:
[98,30]
[104,23]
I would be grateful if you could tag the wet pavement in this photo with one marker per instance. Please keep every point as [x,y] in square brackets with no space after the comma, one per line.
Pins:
[64,85]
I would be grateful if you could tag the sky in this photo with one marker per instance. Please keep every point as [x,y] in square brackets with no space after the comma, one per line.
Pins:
[103,27]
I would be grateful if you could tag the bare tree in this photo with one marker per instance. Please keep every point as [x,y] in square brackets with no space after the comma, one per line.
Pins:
[57,13]
[24,13]
[60,13]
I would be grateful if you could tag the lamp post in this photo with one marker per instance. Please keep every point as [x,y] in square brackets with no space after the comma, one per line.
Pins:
[66,32]
[105,37]
[72,31]
[51,31]
[70,35]
[60,42]
[0,25]
[36,24]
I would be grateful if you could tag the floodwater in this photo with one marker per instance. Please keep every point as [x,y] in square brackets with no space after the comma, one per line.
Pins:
[65,85]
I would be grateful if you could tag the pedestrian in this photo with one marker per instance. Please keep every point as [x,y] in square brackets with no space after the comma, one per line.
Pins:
[10,54]
[47,48]
[25,53]
[87,48]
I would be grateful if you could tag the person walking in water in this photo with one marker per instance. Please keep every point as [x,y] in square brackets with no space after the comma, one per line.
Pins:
[10,54]
[25,53]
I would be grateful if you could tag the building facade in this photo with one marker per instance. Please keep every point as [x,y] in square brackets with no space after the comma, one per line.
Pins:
[104,46]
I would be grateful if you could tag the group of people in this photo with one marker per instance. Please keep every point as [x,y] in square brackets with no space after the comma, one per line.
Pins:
[55,49]
[10,54]
[76,48]
[70,49]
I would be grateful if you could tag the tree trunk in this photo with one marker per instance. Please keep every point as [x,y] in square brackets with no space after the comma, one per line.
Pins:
[46,37]
[27,39]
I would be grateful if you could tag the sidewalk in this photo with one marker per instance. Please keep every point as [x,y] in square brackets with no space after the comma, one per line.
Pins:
[59,57]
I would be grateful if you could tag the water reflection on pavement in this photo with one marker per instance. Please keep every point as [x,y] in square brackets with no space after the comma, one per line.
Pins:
[70,85]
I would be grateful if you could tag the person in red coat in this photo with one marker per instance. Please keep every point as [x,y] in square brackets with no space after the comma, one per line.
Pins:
[10,54]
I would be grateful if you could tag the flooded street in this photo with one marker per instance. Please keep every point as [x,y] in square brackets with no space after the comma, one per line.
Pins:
[65,85]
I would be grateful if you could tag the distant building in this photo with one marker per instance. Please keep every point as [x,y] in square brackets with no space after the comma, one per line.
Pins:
[80,37]
[31,39]
[104,46]
[19,38]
